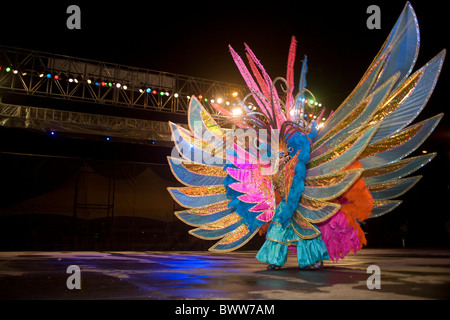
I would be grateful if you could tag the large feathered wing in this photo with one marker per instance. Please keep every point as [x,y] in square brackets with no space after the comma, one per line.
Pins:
[377,113]
[228,194]
[363,147]
[372,130]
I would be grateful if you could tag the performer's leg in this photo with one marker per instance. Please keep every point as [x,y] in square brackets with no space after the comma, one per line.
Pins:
[275,249]
[311,253]
[273,253]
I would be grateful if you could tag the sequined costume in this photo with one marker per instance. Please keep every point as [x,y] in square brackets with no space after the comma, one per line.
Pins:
[274,169]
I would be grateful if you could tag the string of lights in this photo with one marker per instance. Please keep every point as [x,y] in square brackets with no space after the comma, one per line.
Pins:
[107,83]
[37,73]
[30,72]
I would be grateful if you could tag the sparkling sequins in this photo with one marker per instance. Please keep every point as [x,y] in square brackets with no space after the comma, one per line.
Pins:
[303,228]
[237,234]
[205,170]
[384,186]
[397,98]
[381,207]
[325,181]
[333,154]
[344,123]
[381,203]
[392,142]
[290,173]
[202,191]
[312,204]
[211,124]
[211,209]
[223,223]
[279,183]
[386,169]
[188,137]
[301,221]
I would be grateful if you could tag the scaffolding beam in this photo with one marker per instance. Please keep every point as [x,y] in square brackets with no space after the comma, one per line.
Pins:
[49,120]
[43,74]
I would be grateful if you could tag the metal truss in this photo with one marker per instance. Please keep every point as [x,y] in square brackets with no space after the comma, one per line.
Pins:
[50,120]
[44,74]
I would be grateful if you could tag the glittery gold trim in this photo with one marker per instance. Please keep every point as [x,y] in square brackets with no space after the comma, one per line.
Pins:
[339,150]
[333,154]
[209,123]
[393,183]
[353,122]
[224,222]
[205,117]
[211,171]
[289,174]
[340,126]
[298,218]
[396,98]
[312,204]
[277,241]
[209,209]
[392,142]
[188,136]
[201,191]
[279,182]
[174,138]
[218,225]
[289,241]
[195,141]
[234,236]
[380,203]
[316,205]
[391,205]
[386,169]
[198,170]
[384,185]
[300,221]
[276,223]
[398,167]
[203,211]
[329,180]
[171,189]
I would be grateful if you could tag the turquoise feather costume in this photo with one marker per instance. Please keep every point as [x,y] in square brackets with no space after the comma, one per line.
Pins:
[280,234]
[320,172]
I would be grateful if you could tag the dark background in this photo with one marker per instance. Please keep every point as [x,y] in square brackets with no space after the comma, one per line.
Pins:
[192,38]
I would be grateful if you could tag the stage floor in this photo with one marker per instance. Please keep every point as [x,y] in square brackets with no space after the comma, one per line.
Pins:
[404,274]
